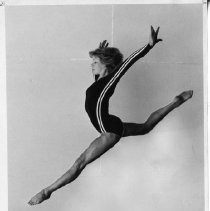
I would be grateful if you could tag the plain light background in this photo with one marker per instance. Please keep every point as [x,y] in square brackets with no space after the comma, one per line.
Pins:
[48,71]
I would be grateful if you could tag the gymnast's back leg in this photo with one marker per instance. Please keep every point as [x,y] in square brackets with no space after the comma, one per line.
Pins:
[134,129]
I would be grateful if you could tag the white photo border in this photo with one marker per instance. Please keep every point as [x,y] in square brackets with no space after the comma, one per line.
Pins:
[3,102]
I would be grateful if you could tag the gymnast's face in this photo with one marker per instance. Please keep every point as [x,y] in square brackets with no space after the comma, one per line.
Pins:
[98,68]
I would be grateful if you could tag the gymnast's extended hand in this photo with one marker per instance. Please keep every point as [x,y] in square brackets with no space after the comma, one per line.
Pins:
[153,39]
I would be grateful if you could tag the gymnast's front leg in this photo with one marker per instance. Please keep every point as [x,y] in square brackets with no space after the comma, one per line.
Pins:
[97,148]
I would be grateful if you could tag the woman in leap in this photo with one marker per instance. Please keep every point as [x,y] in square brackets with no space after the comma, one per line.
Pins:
[108,67]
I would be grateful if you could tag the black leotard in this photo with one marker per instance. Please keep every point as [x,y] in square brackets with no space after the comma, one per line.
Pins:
[99,93]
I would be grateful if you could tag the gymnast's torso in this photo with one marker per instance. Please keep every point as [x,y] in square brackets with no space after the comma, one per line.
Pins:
[97,105]
[99,93]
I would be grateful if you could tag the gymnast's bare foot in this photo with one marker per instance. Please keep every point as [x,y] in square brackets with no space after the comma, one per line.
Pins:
[183,97]
[40,197]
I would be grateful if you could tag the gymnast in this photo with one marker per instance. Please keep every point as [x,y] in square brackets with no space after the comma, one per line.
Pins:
[108,67]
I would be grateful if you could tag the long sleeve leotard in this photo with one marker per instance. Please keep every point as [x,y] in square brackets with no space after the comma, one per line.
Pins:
[99,93]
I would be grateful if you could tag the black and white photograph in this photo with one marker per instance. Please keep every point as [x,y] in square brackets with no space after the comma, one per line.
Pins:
[105,105]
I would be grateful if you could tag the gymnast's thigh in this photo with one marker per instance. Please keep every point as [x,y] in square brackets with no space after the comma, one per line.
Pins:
[134,129]
[114,125]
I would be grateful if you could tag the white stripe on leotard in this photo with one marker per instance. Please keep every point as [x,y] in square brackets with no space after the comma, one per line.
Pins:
[98,107]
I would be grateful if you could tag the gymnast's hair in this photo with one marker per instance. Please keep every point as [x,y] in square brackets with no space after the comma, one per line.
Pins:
[109,56]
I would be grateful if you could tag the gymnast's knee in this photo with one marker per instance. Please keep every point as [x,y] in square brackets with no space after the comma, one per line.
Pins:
[81,162]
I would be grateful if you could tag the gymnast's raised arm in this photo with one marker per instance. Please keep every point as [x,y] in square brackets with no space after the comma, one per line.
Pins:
[153,40]
[127,63]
